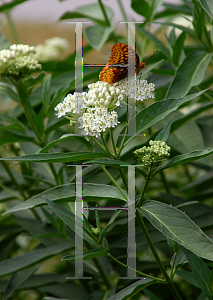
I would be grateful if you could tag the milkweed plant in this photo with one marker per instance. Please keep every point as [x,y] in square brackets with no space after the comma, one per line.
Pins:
[55,139]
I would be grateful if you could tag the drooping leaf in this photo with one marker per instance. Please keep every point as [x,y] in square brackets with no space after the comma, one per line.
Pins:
[176,225]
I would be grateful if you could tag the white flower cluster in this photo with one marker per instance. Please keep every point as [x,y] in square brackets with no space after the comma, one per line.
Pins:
[97,105]
[139,89]
[17,61]
[51,50]
[97,120]
[156,152]
[71,104]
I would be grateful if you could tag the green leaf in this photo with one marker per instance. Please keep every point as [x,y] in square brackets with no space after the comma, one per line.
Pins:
[200,271]
[150,295]
[11,5]
[176,225]
[142,7]
[157,112]
[56,157]
[64,138]
[190,73]
[46,94]
[207,6]
[183,159]
[16,280]
[98,35]
[66,193]
[28,259]
[92,12]
[182,28]
[25,86]
[114,163]
[132,289]
[5,89]
[180,260]
[200,24]
[90,254]
[156,41]
[178,48]
[72,221]
[164,134]
[12,137]
[187,276]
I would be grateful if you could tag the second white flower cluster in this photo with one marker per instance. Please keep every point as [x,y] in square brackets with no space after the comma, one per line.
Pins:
[17,60]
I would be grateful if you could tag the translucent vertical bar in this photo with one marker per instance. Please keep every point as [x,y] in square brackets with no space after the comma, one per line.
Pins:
[79,223]
[131,113]
[78,74]
[131,243]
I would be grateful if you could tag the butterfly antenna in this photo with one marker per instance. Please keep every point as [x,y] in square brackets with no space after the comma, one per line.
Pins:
[153,53]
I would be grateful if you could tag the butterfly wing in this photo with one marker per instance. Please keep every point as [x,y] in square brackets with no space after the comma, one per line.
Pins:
[119,55]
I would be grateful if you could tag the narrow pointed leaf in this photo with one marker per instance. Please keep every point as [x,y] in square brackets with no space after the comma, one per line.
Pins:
[157,112]
[90,254]
[207,6]
[190,73]
[28,259]
[16,280]
[200,271]
[66,193]
[163,135]
[183,159]
[64,138]
[56,157]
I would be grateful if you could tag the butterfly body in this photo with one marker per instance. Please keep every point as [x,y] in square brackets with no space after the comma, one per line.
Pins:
[119,55]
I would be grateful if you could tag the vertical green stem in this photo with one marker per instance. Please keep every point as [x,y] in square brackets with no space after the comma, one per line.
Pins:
[157,258]
[165,182]
[140,201]
[12,27]
[113,181]
[122,11]
[106,18]
[10,174]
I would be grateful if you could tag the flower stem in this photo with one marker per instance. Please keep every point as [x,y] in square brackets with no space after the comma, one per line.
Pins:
[141,273]
[122,11]
[113,143]
[140,201]
[106,18]
[12,27]
[106,148]
[157,258]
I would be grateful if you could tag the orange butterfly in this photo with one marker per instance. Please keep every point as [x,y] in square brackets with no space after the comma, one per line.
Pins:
[119,55]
